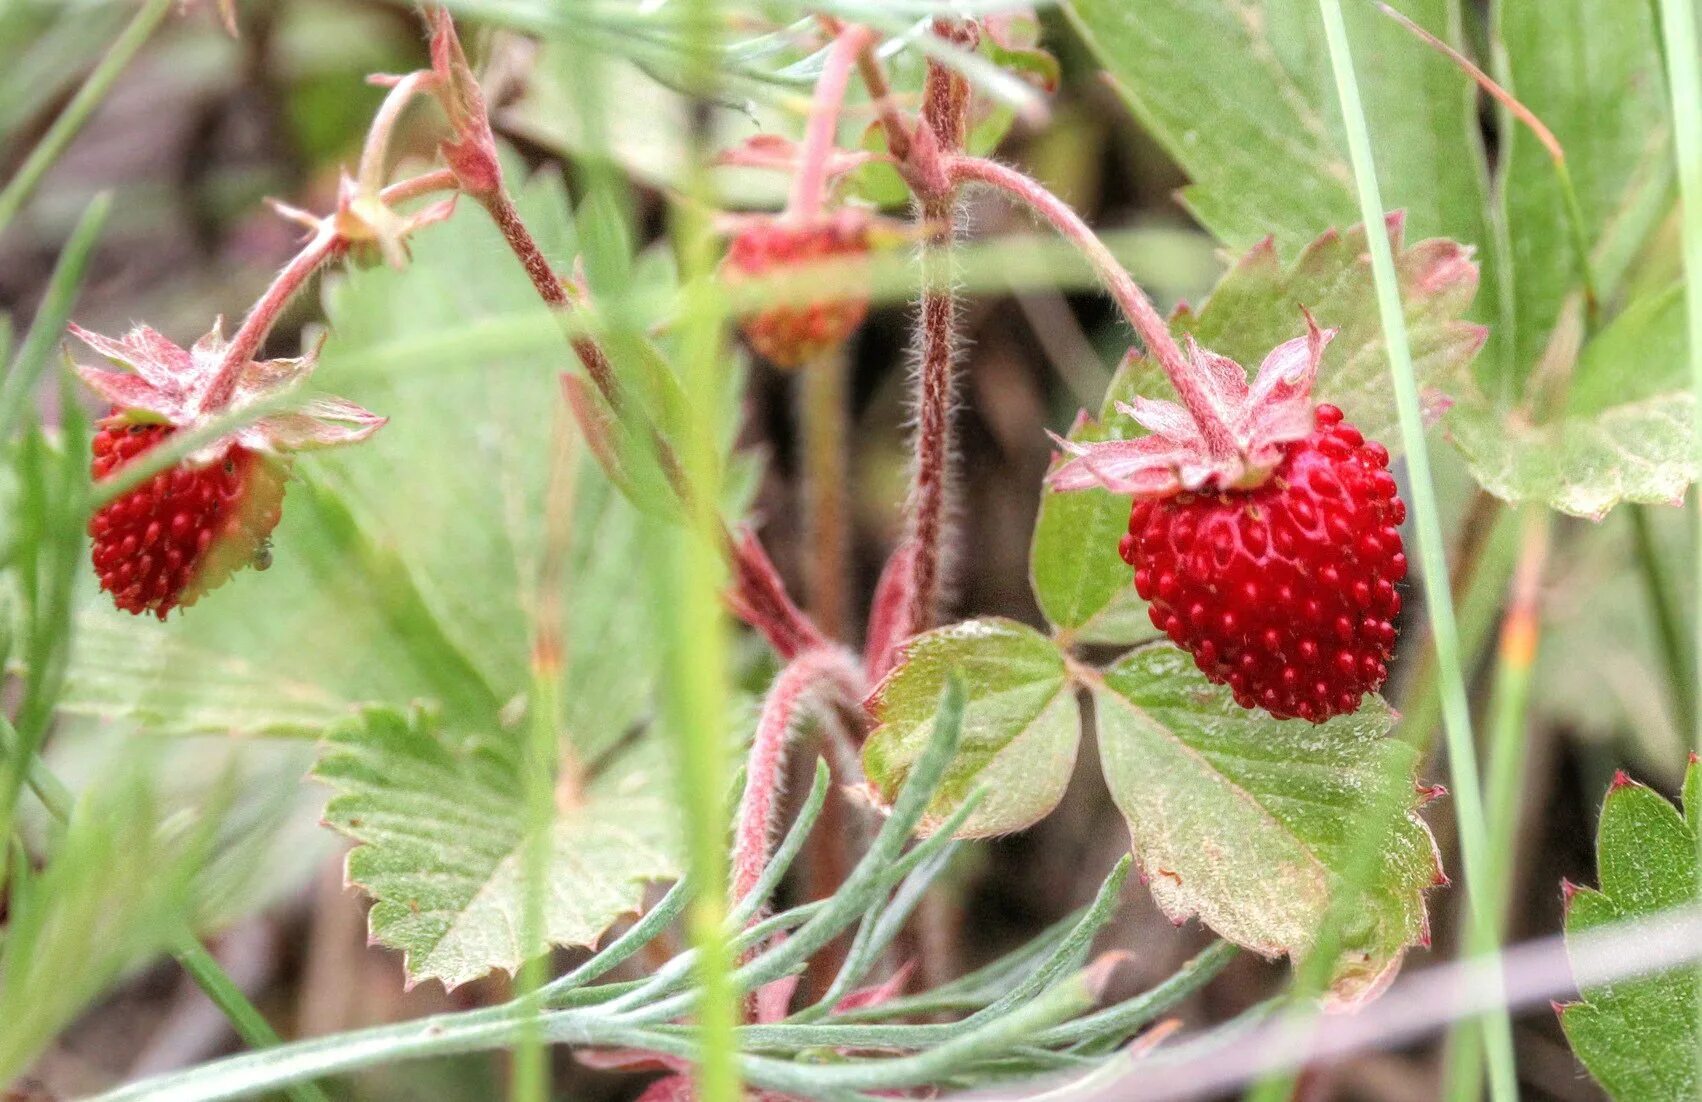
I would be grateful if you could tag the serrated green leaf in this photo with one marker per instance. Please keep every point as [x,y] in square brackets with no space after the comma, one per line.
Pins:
[1240,94]
[1583,465]
[1638,1036]
[1592,73]
[441,824]
[1021,725]
[1250,822]
[1081,582]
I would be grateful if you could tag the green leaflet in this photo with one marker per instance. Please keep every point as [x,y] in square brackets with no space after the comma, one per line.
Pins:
[1592,73]
[1250,823]
[1240,95]
[1638,1037]
[1021,725]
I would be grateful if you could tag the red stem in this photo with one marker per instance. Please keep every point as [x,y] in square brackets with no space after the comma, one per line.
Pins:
[377,147]
[832,673]
[325,243]
[1130,298]
[757,594]
[945,108]
[810,184]
[880,92]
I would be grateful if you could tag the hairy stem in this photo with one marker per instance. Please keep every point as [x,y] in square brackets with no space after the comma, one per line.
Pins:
[327,242]
[370,174]
[945,108]
[245,344]
[756,594]
[1133,301]
[830,672]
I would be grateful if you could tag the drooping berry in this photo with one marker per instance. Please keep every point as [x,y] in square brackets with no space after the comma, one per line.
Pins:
[1285,592]
[1265,530]
[186,530]
[793,334]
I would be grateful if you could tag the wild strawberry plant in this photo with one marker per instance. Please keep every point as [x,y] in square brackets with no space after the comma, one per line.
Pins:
[497,635]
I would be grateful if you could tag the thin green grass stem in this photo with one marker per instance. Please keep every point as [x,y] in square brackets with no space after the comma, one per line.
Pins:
[1456,712]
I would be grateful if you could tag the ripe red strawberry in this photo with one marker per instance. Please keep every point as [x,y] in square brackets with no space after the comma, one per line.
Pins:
[1286,592]
[185,531]
[1264,531]
[188,529]
[792,335]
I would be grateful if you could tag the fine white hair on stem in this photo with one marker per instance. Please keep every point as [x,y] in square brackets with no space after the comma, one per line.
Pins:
[1524,976]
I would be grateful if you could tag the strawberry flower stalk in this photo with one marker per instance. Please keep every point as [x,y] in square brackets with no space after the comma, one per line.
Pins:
[1265,530]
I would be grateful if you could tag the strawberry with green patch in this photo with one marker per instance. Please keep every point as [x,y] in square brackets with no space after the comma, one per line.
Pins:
[185,531]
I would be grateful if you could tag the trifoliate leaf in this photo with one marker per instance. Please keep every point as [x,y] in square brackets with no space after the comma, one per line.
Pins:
[1021,725]
[1250,823]
[441,826]
[1638,1036]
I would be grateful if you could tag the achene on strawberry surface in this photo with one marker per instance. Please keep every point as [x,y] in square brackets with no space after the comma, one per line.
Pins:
[1265,531]
[185,531]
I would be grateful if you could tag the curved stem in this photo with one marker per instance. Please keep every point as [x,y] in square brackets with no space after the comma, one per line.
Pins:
[327,241]
[1133,301]
[248,338]
[874,80]
[830,670]
[810,183]
[370,174]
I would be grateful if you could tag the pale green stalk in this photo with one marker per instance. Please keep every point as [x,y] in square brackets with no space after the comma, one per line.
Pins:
[1509,728]
[696,689]
[531,1073]
[1684,85]
[1439,601]
[76,113]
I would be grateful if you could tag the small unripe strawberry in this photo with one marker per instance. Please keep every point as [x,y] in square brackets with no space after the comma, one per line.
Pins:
[186,530]
[1284,592]
[1265,532]
[791,335]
